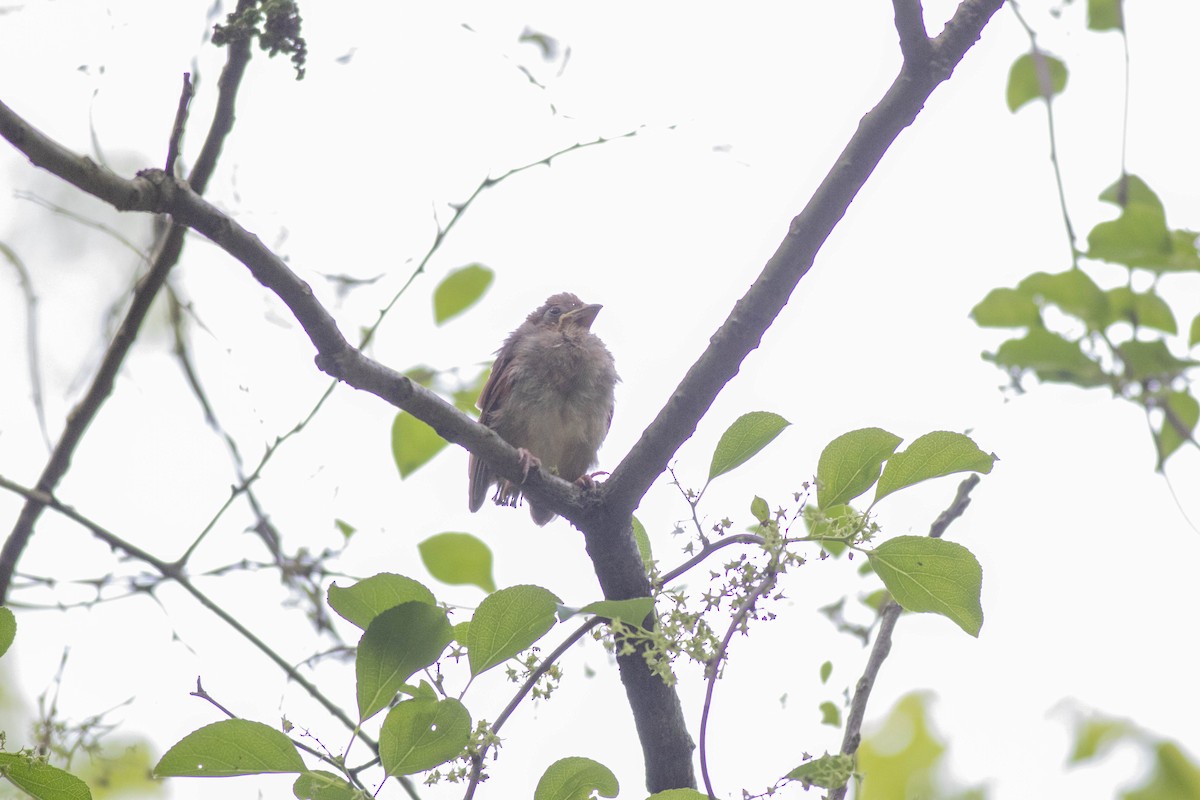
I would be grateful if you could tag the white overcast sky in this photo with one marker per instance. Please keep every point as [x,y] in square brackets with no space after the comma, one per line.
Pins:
[1088,562]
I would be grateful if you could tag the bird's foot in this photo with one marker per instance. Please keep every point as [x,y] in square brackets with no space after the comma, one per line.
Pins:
[528,461]
[588,480]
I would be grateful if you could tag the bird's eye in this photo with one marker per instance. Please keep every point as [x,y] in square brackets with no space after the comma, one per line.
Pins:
[554,311]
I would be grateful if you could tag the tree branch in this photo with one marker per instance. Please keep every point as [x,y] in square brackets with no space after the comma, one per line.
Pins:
[97,180]
[910,24]
[756,311]
[883,640]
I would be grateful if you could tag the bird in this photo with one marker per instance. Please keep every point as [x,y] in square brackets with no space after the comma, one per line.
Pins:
[550,395]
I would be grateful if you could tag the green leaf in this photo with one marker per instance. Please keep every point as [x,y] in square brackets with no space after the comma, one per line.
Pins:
[1181,413]
[1184,255]
[1174,776]
[8,629]
[1151,311]
[633,611]
[422,374]
[397,643]
[460,290]
[1032,77]
[1006,308]
[831,714]
[903,751]
[507,622]
[826,671]
[827,772]
[1096,737]
[458,558]
[1050,357]
[851,463]
[575,778]
[1146,360]
[678,794]
[363,601]
[1139,237]
[413,443]
[230,747]
[421,734]
[121,766]
[40,780]
[760,509]
[1105,15]
[1072,291]
[743,439]
[1142,309]
[876,599]
[932,456]
[1194,333]
[345,528]
[925,574]
[322,785]
[643,542]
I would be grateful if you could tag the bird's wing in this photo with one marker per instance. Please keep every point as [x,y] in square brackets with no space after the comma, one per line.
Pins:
[497,388]
[491,399]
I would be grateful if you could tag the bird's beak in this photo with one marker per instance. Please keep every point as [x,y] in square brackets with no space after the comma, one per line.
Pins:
[583,316]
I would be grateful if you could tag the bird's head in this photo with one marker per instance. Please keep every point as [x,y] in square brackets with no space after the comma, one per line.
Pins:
[565,311]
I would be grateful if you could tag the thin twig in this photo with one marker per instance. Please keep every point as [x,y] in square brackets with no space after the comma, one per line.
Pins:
[460,209]
[203,695]
[542,668]
[322,755]
[32,349]
[883,640]
[1046,86]
[713,669]
[185,98]
[166,255]
[172,571]
[705,552]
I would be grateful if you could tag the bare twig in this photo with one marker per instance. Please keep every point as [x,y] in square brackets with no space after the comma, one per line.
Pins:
[31,340]
[185,98]
[172,571]
[203,695]
[41,150]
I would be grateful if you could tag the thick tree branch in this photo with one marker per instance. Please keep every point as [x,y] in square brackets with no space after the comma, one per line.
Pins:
[154,191]
[101,182]
[754,313]
[910,24]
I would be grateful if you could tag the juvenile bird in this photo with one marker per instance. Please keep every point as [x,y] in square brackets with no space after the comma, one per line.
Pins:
[550,395]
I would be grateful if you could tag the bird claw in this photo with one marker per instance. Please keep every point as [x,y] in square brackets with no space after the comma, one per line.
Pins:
[528,461]
[588,480]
